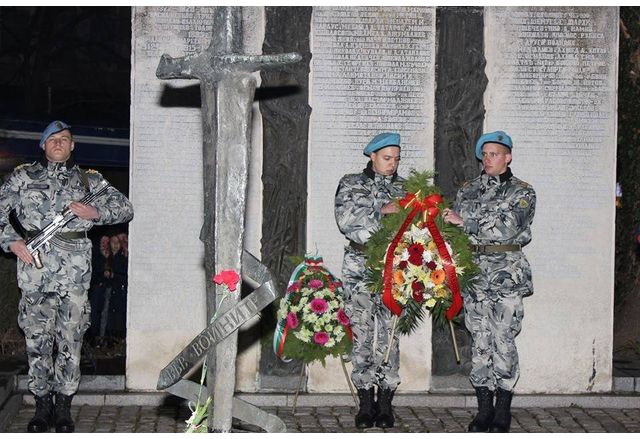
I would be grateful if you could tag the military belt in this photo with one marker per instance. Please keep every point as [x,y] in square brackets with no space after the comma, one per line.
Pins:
[496,248]
[358,247]
[62,235]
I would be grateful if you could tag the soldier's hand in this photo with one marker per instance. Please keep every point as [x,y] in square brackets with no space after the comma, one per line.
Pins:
[451,217]
[389,208]
[84,211]
[19,248]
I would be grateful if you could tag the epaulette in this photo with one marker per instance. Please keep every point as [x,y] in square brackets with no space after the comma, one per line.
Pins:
[525,184]
[23,165]
[91,171]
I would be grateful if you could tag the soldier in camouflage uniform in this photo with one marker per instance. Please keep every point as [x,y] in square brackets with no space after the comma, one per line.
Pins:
[54,306]
[361,200]
[496,211]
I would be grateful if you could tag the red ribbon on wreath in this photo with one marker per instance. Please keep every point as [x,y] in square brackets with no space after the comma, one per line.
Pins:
[430,206]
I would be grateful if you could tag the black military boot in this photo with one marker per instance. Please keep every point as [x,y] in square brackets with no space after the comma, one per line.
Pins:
[482,421]
[367,412]
[64,423]
[502,420]
[43,419]
[384,418]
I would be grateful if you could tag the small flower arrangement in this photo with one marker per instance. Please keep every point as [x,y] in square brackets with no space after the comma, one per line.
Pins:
[312,322]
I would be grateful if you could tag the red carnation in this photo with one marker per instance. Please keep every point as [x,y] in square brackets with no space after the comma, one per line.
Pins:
[431,265]
[228,277]
[418,296]
[402,265]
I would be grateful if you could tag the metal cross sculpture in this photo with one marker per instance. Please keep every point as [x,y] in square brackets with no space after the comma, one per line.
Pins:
[227,90]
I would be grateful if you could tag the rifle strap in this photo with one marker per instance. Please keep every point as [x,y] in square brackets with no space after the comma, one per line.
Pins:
[85,179]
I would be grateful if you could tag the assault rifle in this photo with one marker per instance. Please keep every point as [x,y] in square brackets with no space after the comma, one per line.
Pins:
[45,234]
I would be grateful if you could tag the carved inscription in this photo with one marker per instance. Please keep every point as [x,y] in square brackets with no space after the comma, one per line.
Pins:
[552,87]
[166,171]
[372,71]
[215,332]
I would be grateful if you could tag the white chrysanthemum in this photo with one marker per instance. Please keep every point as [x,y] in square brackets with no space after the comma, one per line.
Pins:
[311,317]
[405,255]
[328,328]
[331,343]
[427,256]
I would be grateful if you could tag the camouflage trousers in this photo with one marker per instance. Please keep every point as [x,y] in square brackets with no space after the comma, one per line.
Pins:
[371,326]
[494,326]
[54,317]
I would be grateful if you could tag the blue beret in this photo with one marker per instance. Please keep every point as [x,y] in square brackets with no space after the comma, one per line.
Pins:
[54,127]
[382,140]
[495,137]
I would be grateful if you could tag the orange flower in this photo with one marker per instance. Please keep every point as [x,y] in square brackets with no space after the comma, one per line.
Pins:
[398,277]
[437,276]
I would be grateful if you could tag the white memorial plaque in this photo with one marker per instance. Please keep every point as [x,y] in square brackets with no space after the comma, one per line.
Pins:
[552,86]
[166,300]
[372,71]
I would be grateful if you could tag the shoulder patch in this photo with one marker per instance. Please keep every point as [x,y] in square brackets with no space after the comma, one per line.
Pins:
[523,203]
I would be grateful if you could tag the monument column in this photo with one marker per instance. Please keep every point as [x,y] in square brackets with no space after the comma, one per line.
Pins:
[372,71]
[552,86]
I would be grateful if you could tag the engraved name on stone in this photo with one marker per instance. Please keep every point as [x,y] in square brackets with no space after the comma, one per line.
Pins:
[556,92]
[371,72]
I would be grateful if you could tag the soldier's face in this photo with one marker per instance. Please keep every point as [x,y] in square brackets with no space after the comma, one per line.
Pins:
[58,146]
[386,160]
[495,158]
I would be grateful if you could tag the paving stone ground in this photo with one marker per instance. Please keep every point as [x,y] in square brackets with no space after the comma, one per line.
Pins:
[166,419]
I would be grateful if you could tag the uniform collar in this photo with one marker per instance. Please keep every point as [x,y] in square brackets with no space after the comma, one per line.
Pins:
[505,176]
[369,172]
[69,164]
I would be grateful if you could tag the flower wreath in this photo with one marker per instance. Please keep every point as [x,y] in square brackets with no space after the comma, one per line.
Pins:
[311,319]
[416,260]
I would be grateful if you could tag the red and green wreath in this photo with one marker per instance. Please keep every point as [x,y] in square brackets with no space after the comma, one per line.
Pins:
[416,260]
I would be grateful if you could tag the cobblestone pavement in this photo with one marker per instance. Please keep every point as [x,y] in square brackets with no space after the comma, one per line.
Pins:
[165,419]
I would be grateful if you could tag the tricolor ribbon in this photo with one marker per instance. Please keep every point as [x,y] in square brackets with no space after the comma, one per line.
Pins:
[429,206]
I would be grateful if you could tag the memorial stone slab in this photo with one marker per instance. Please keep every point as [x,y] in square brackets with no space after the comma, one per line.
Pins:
[167,281]
[552,86]
[372,70]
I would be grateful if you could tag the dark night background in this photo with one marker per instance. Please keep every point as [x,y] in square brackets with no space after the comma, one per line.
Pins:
[73,64]
[69,63]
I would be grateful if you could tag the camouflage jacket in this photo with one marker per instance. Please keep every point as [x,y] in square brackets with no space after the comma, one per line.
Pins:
[359,200]
[40,190]
[498,210]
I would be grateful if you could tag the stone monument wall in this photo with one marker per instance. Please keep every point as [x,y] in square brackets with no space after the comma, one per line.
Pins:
[552,86]
[372,70]
[166,300]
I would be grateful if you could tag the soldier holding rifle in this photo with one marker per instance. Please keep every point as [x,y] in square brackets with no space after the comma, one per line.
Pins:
[54,306]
